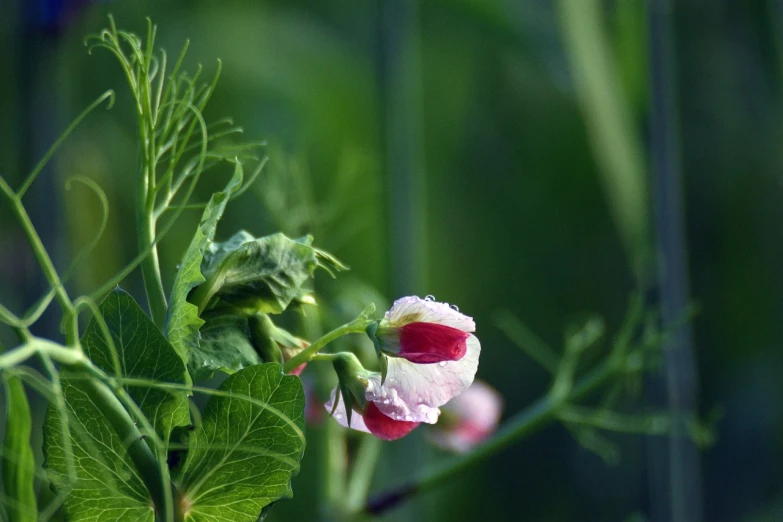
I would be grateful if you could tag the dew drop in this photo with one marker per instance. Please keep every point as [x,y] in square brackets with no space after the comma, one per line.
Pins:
[442,363]
[386,401]
[429,298]
[454,307]
[338,415]
[179,266]
[421,400]
[409,418]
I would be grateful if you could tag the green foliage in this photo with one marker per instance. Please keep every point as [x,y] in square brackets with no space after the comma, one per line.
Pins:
[225,345]
[103,484]
[261,274]
[141,352]
[183,321]
[248,447]
[18,460]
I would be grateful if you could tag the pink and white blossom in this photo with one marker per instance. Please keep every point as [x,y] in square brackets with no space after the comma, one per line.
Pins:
[424,331]
[423,375]
[468,419]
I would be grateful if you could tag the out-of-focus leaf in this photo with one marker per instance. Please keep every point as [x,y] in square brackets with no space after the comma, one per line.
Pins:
[183,321]
[18,460]
[246,450]
[143,353]
[225,345]
[263,274]
[105,484]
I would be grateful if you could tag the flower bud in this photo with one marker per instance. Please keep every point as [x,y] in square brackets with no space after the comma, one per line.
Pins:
[468,419]
[261,335]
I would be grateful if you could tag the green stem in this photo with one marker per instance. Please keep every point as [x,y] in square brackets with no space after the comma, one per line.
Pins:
[34,346]
[150,266]
[335,462]
[363,469]
[358,325]
[72,331]
[535,417]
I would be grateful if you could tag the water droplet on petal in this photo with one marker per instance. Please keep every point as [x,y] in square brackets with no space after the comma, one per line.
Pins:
[386,401]
[409,418]
[338,415]
[421,400]
[442,363]
[454,307]
[429,298]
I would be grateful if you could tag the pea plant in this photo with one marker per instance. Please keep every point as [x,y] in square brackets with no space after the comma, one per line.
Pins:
[123,437]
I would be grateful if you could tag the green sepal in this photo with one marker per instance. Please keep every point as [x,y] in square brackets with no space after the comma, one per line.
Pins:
[352,378]
[348,400]
[384,364]
[371,330]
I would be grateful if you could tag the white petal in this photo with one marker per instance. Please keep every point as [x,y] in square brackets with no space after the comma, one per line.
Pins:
[414,392]
[414,309]
[357,421]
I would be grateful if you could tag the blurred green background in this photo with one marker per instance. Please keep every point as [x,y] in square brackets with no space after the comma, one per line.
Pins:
[443,147]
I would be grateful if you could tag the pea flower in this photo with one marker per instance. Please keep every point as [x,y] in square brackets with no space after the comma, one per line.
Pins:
[424,331]
[468,419]
[432,357]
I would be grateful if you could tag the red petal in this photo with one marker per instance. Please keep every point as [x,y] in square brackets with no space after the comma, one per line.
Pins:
[426,343]
[385,427]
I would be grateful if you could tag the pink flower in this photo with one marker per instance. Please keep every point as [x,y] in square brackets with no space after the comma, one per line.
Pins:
[468,419]
[424,331]
[437,358]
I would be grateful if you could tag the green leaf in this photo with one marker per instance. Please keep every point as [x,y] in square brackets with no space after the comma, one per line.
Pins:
[225,345]
[103,483]
[183,321]
[263,274]
[18,460]
[143,353]
[248,447]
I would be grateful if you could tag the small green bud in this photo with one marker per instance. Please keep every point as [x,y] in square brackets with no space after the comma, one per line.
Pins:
[261,334]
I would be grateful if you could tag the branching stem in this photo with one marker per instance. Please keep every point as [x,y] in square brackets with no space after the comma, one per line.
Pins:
[539,414]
